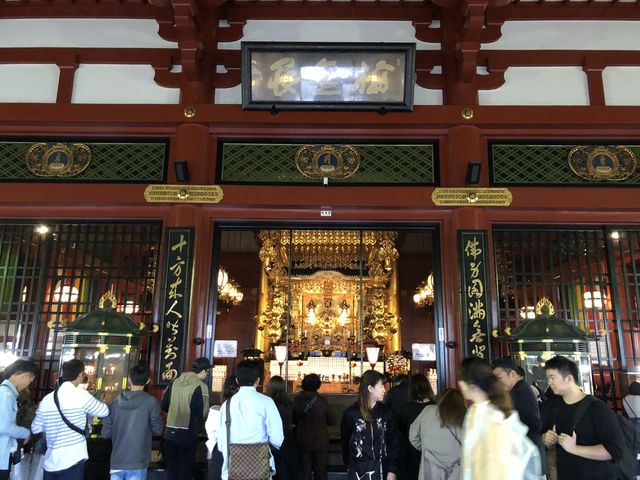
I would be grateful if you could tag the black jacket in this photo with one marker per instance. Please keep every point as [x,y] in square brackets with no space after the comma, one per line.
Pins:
[397,397]
[525,403]
[369,446]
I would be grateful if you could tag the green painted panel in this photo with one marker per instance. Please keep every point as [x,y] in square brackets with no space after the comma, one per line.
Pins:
[273,163]
[515,164]
[138,161]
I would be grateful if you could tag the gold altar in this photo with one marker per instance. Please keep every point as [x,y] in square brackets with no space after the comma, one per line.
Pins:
[341,286]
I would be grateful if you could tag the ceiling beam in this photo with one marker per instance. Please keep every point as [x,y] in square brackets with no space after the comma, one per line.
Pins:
[350,10]
[82,9]
[522,11]
[322,10]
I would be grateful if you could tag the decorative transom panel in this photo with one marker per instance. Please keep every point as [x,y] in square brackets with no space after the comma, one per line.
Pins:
[110,162]
[520,164]
[274,163]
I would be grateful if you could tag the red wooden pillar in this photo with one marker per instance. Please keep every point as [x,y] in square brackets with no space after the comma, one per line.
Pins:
[462,145]
[192,145]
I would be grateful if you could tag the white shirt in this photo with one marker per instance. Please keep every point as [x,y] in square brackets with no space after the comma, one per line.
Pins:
[254,419]
[631,405]
[66,447]
[211,427]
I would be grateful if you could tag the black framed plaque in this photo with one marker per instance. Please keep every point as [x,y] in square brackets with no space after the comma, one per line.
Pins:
[334,76]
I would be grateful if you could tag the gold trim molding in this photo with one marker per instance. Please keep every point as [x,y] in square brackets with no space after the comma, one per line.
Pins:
[183,193]
[476,197]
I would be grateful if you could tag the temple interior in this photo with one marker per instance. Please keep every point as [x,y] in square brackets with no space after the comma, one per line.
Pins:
[331,302]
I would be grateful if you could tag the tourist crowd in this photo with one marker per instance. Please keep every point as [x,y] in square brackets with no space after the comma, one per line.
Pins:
[494,426]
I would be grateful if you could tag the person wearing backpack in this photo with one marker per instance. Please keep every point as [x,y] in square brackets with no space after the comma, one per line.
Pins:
[585,434]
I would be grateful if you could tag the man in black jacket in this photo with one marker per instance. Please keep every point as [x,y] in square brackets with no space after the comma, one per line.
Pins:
[398,396]
[524,401]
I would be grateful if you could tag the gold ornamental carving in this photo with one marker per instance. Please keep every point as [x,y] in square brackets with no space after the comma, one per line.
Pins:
[602,163]
[183,193]
[477,197]
[328,161]
[108,300]
[545,307]
[58,159]
[322,271]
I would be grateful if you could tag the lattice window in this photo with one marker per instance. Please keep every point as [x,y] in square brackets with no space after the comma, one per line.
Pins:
[514,164]
[48,279]
[269,163]
[592,277]
[110,162]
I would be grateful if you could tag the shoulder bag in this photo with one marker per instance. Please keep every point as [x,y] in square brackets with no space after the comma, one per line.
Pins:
[247,461]
[75,428]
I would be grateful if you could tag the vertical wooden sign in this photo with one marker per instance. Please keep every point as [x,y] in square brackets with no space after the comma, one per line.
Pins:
[475,295]
[176,293]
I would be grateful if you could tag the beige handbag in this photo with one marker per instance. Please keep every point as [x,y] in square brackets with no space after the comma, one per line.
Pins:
[247,461]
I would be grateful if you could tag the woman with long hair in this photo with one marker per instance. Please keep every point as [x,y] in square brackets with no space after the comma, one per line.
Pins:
[495,443]
[368,433]
[420,395]
[286,458]
[277,391]
[437,434]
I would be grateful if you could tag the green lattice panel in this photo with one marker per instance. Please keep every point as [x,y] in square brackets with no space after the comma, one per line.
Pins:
[110,162]
[379,164]
[543,164]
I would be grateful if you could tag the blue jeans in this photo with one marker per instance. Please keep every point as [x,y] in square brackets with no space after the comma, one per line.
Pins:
[130,475]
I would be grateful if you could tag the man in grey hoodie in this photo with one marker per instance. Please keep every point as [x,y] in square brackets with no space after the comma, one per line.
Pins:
[134,416]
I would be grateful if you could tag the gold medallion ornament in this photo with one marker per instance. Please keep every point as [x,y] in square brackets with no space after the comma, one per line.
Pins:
[58,159]
[602,163]
[183,193]
[328,161]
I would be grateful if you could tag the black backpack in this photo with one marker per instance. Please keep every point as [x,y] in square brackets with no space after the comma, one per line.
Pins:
[626,467]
